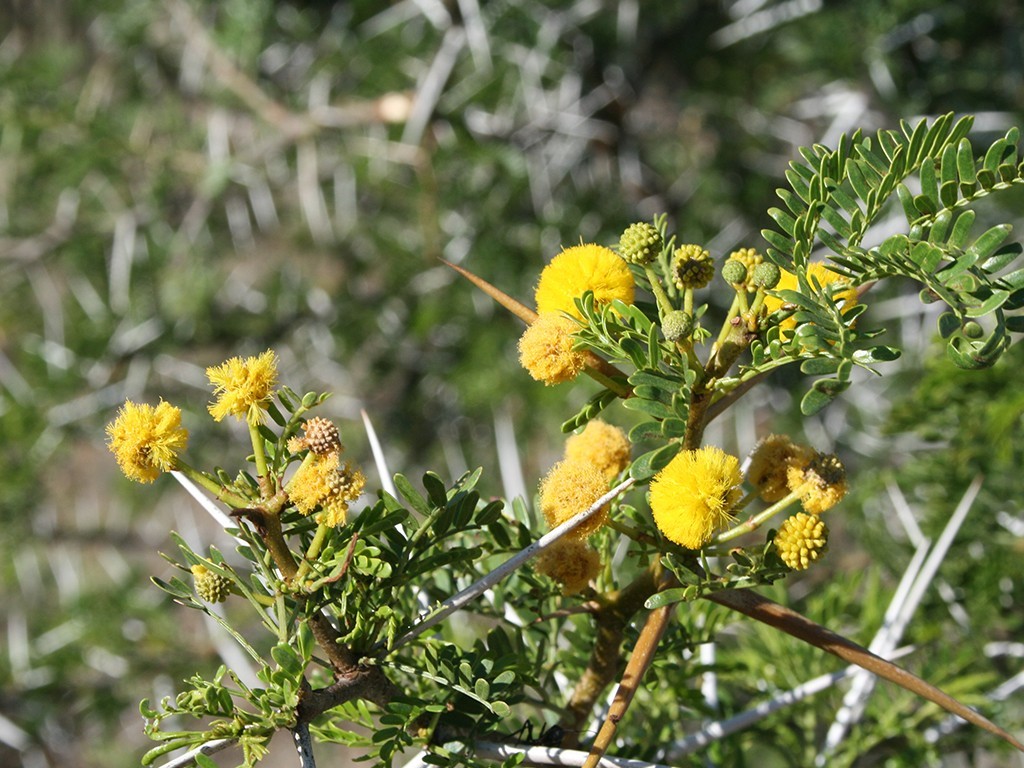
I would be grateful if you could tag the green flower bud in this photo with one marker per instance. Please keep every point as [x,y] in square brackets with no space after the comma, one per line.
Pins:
[692,267]
[973,330]
[749,258]
[677,325]
[766,275]
[734,272]
[210,586]
[640,243]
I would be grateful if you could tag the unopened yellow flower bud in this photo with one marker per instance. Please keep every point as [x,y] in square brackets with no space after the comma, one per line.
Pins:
[734,272]
[640,243]
[210,586]
[801,540]
[692,267]
[677,325]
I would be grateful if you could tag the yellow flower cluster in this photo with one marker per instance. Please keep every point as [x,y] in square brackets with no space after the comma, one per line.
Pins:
[243,387]
[779,467]
[693,496]
[571,563]
[770,463]
[571,487]
[801,540]
[579,269]
[821,483]
[147,440]
[546,349]
[601,445]
[324,483]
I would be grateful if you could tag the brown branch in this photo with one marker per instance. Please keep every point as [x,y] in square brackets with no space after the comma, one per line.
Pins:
[789,621]
[640,661]
[363,682]
[611,620]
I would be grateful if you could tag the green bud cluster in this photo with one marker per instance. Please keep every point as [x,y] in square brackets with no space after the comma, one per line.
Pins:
[640,243]
[734,272]
[766,275]
[677,325]
[692,267]
[210,586]
[750,259]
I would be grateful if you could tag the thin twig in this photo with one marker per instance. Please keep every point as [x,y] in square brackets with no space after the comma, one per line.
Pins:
[456,602]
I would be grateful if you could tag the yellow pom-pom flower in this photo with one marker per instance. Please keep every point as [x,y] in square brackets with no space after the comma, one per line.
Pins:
[693,496]
[831,281]
[571,563]
[600,444]
[770,463]
[569,488]
[325,483]
[546,349]
[579,269]
[147,440]
[801,540]
[821,484]
[243,387]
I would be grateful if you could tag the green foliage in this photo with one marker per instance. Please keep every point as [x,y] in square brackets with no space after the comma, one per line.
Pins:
[125,270]
[836,195]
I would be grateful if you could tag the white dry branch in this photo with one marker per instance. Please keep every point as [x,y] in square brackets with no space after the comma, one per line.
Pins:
[896,620]
[476,589]
[720,729]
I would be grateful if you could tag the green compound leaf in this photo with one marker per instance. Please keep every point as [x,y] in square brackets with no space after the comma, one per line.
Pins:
[647,465]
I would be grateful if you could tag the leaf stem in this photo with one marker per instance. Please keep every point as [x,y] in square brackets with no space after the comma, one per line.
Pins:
[755,522]
[257,449]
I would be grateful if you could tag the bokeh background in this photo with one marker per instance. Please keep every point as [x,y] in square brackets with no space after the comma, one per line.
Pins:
[186,180]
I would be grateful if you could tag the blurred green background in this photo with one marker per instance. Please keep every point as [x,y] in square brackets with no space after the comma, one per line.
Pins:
[181,182]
